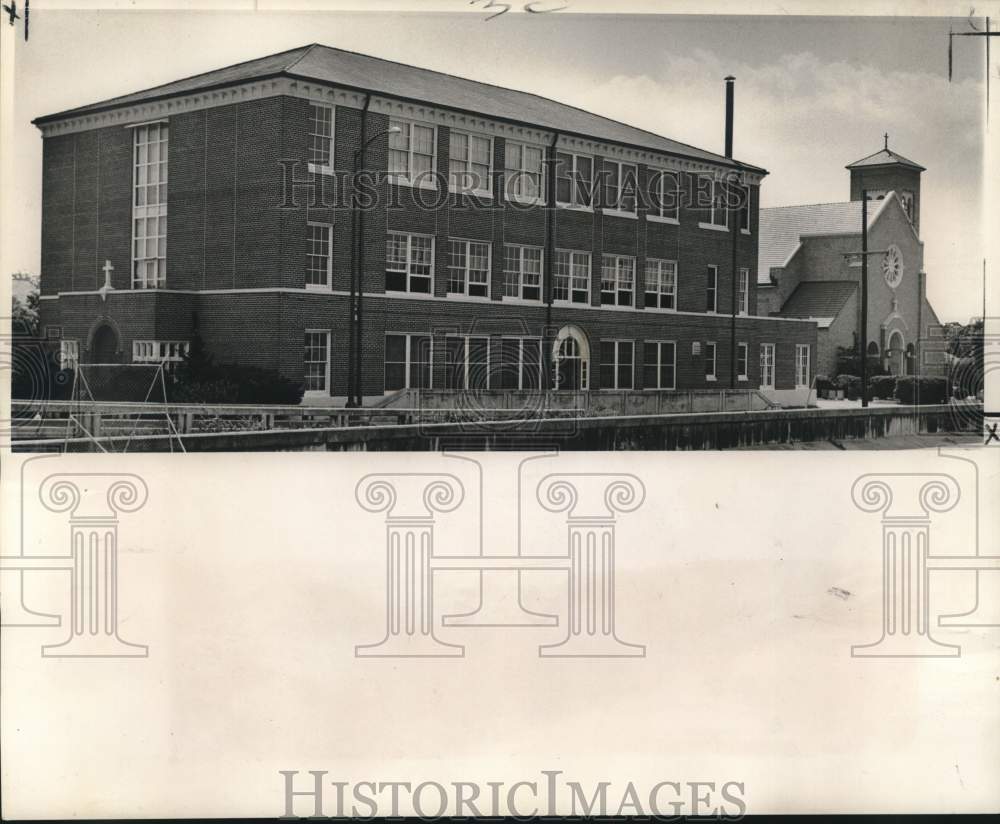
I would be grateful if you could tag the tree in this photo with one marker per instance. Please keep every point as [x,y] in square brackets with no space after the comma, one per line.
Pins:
[24,312]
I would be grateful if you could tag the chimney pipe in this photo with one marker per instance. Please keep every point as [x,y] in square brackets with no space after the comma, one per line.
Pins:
[729,115]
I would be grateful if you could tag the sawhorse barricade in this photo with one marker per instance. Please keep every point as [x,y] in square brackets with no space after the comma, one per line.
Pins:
[410,501]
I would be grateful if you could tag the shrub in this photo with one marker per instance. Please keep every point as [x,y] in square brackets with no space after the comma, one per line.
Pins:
[882,386]
[932,389]
[823,384]
[851,385]
[228,383]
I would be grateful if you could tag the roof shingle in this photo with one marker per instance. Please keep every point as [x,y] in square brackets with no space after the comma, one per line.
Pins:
[818,299]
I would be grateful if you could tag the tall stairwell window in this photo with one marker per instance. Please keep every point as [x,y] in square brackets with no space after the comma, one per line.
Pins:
[149,207]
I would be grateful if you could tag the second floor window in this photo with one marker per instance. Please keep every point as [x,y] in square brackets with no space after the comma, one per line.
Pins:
[522,272]
[409,263]
[617,280]
[744,292]
[571,276]
[469,268]
[664,195]
[320,138]
[523,171]
[619,186]
[574,180]
[661,284]
[712,202]
[319,261]
[149,207]
[411,153]
[712,289]
[745,208]
[470,163]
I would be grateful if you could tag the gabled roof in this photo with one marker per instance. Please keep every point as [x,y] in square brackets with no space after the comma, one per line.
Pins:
[364,73]
[818,299]
[884,157]
[782,226]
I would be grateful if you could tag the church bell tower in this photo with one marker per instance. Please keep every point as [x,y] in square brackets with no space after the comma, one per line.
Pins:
[884,172]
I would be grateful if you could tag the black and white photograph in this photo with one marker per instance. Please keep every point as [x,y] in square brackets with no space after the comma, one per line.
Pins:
[338,232]
[465,410]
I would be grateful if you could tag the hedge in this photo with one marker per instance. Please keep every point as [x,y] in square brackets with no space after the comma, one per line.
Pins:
[882,386]
[230,384]
[851,384]
[932,389]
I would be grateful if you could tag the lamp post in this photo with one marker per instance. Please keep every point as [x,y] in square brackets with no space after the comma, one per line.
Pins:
[357,257]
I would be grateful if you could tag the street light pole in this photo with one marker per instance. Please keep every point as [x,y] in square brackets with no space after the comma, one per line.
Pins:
[864,298]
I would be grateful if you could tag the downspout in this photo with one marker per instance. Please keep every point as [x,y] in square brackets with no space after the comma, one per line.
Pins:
[357,274]
[550,256]
[730,81]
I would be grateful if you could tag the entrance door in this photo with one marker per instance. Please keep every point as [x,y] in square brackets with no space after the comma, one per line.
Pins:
[572,360]
[767,366]
[104,348]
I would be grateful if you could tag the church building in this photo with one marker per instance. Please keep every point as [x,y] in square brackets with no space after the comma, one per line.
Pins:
[809,266]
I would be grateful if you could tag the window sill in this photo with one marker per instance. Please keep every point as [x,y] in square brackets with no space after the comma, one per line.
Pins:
[715,227]
[526,201]
[744,231]
[521,301]
[313,287]
[570,303]
[316,393]
[483,195]
[742,378]
[660,310]
[620,213]
[711,378]
[405,181]
[470,298]
[657,219]
[572,207]
[659,389]
[320,170]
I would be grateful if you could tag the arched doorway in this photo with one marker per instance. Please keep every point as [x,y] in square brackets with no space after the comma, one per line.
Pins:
[104,345]
[895,353]
[571,359]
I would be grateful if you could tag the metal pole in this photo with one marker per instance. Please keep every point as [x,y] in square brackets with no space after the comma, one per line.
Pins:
[352,316]
[864,297]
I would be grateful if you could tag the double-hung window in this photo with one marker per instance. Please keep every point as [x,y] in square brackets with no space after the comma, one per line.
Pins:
[661,284]
[617,280]
[659,365]
[744,210]
[617,359]
[742,361]
[467,362]
[411,153]
[468,268]
[69,354]
[744,292]
[664,196]
[316,361]
[767,366]
[523,172]
[801,364]
[520,365]
[522,272]
[149,206]
[712,202]
[407,362]
[711,352]
[409,263]
[712,289]
[619,186]
[574,180]
[470,163]
[571,277]
[319,257]
[321,138]
[159,351]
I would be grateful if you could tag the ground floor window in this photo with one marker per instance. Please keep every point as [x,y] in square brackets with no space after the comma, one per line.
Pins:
[767,366]
[467,362]
[710,361]
[407,362]
[617,361]
[316,361]
[801,364]
[520,364]
[742,361]
[159,351]
[69,354]
[659,365]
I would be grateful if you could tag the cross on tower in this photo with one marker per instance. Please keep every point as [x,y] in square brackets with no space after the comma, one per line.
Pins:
[107,287]
[886,136]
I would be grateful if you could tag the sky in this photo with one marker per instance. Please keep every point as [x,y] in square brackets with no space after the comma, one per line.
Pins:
[812,94]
